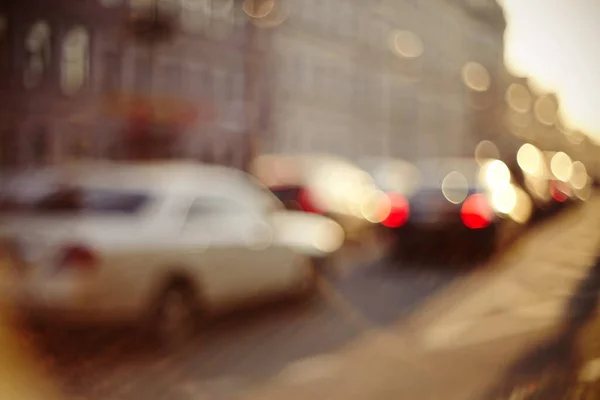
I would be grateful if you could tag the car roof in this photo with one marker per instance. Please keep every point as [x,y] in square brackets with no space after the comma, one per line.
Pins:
[160,177]
[147,177]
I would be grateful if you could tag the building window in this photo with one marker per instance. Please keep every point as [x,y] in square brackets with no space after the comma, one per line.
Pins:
[222,92]
[112,72]
[40,145]
[75,60]
[38,47]
[193,17]
[218,9]
[3,43]
[221,10]
[199,15]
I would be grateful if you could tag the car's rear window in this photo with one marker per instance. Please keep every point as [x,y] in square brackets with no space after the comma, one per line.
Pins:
[82,200]
[289,196]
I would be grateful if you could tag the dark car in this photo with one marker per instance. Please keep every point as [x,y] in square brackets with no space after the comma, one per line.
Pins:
[448,206]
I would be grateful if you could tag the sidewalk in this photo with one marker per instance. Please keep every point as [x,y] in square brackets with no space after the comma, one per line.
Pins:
[470,337]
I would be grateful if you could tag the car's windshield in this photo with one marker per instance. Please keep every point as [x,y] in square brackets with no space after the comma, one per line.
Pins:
[271,201]
[288,196]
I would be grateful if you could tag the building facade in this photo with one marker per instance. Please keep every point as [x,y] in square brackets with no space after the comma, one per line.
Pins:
[75,83]
[403,78]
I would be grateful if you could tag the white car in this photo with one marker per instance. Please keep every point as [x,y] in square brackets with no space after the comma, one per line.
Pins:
[156,243]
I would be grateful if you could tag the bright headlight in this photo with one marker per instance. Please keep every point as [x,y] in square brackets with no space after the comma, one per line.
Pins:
[376,207]
[504,200]
[495,175]
[329,238]
[521,212]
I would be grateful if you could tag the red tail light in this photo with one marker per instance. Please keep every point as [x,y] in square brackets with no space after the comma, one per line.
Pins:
[77,257]
[399,211]
[559,192]
[476,212]
[307,203]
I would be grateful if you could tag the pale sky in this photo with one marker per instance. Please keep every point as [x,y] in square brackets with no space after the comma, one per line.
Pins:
[554,42]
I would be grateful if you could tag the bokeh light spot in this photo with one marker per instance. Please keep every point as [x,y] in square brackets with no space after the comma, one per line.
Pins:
[455,187]
[530,159]
[405,44]
[476,77]
[486,151]
[561,166]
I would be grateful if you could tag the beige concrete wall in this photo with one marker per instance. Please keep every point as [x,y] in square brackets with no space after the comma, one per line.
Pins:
[341,90]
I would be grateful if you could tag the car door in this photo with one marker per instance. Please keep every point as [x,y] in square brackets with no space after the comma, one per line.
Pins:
[237,257]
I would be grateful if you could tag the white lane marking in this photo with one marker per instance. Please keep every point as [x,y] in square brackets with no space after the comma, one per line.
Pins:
[548,310]
[498,297]
[482,331]
[311,369]
[444,336]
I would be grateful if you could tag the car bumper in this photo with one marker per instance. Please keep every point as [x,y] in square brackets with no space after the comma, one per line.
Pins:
[59,302]
[442,224]
[418,231]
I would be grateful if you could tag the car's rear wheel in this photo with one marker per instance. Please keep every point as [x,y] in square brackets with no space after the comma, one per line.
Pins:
[175,315]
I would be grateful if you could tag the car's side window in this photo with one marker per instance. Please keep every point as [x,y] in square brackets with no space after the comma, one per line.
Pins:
[207,206]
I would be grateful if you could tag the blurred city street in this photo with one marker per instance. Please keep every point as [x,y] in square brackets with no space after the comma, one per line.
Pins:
[412,186]
[412,323]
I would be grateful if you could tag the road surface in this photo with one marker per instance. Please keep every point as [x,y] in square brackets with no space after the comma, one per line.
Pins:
[241,351]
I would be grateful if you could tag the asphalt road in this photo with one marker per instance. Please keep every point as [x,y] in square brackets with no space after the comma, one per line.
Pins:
[238,351]
[242,349]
